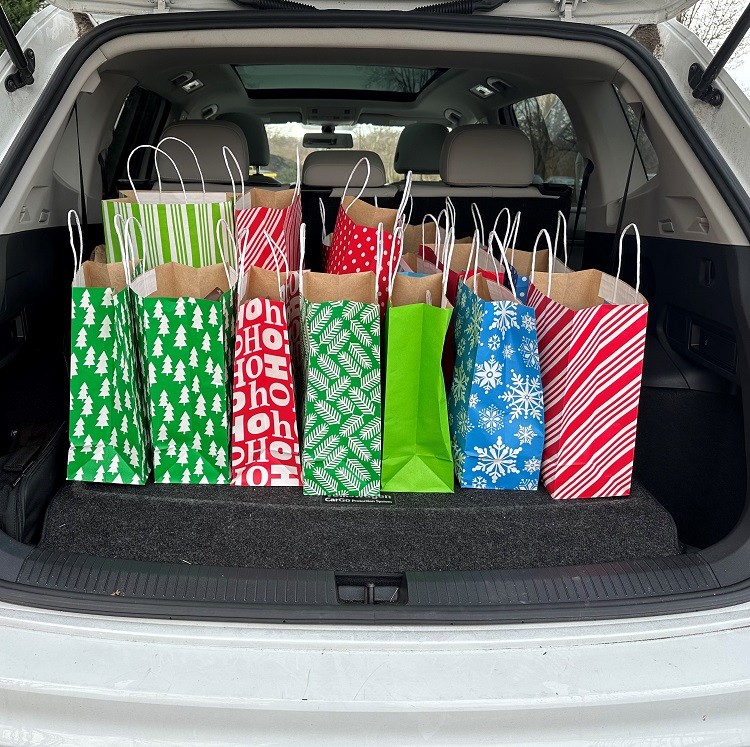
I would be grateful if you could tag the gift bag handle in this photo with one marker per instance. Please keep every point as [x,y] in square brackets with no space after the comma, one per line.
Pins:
[437,232]
[546,235]
[197,163]
[475,249]
[277,261]
[492,255]
[322,207]
[77,251]
[478,222]
[393,269]
[302,249]
[130,246]
[156,149]
[243,263]
[379,251]
[504,260]
[222,223]
[298,183]
[450,246]
[227,151]
[121,226]
[366,161]
[637,259]
[404,200]
[561,221]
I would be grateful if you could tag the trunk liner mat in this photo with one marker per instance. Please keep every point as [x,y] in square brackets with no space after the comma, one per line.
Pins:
[281,528]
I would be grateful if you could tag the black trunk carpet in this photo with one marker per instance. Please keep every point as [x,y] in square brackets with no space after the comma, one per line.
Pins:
[280,528]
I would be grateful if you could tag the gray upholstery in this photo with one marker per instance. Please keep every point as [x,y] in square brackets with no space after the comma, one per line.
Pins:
[255,133]
[332,168]
[487,156]
[419,148]
[206,138]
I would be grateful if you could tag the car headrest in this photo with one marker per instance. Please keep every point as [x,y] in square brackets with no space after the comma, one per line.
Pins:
[206,138]
[255,133]
[419,148]
[331,168]
[487,156]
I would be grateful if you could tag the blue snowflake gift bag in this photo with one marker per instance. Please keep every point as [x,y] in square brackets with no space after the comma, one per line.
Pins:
[496,409]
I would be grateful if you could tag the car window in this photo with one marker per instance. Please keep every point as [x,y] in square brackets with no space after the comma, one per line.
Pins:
[284,139]
[545,121]
[646,154]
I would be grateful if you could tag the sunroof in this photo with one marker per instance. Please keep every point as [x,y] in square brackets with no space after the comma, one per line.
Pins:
[363,81]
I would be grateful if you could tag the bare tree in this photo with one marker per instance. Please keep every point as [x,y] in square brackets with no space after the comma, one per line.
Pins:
[712,20]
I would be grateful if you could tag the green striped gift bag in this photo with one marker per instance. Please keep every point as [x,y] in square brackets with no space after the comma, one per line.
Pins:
[177,226]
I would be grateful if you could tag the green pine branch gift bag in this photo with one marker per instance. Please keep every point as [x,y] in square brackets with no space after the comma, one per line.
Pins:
[185,320]
[108,424]
[177,226]
[340,321]
[416,437]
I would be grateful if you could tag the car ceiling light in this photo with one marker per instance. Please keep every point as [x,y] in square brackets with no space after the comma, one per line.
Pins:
[481,90]
[192,85]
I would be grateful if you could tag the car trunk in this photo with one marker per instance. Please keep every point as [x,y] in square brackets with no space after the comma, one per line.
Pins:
[429,555]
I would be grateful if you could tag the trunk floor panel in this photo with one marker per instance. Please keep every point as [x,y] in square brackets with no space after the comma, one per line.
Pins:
[281,528]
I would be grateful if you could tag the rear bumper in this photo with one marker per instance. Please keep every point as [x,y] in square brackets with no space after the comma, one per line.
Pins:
[79,679]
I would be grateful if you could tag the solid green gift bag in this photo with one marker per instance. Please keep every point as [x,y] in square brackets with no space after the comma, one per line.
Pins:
[416,438]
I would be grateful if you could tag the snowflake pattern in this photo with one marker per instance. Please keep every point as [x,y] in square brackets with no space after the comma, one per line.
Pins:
[529,352]
[495,342]
[491,419]
[496,403]
[488,374]
[505,317]
[525,434]
[532,465]
[524,397]
[496,460]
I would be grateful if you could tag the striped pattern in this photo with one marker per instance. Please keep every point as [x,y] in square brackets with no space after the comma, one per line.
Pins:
[282,224]
[591,361]
[175,232]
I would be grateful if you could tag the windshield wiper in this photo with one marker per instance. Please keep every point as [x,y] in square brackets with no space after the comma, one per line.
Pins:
[462,7]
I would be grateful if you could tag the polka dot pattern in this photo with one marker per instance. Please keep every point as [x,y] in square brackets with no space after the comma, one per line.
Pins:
[354,249]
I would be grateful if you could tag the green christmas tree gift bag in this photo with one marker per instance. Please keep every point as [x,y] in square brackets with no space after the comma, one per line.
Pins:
[340,321]
[416,437]
[185,320]
[108,430]
[177,226]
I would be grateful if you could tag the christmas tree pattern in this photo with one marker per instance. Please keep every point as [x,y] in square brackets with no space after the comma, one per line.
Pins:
[342,428]
[108,430]
[187,352]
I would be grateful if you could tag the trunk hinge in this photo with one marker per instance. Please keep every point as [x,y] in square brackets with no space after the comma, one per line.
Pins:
[25,62]
[701,81]
[565,9]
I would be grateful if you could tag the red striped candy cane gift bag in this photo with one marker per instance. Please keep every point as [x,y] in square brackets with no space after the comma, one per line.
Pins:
[591,331]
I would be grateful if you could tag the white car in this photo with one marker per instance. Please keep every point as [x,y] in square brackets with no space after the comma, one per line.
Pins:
[171,614]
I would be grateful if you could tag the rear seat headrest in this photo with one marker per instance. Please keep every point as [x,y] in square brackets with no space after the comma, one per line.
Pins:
[255,133]
[331,168]
[487,156]
[419,148]
[206,138]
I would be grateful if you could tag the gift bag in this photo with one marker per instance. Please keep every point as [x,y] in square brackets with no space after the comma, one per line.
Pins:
[185,319]
[416,439]
[341,444]
[496,406]
[260,213]
[265,441]
[353,244]
[592,334]
[179,226]
[108,430]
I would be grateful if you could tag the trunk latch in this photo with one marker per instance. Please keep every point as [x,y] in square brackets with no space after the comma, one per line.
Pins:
[362,588]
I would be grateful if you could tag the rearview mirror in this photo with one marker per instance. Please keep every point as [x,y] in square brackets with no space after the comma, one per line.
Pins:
[327,140]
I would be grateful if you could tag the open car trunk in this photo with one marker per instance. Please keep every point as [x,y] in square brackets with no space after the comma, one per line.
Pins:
[245,553]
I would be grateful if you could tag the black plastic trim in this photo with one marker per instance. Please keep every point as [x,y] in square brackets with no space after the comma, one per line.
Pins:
[89,584]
